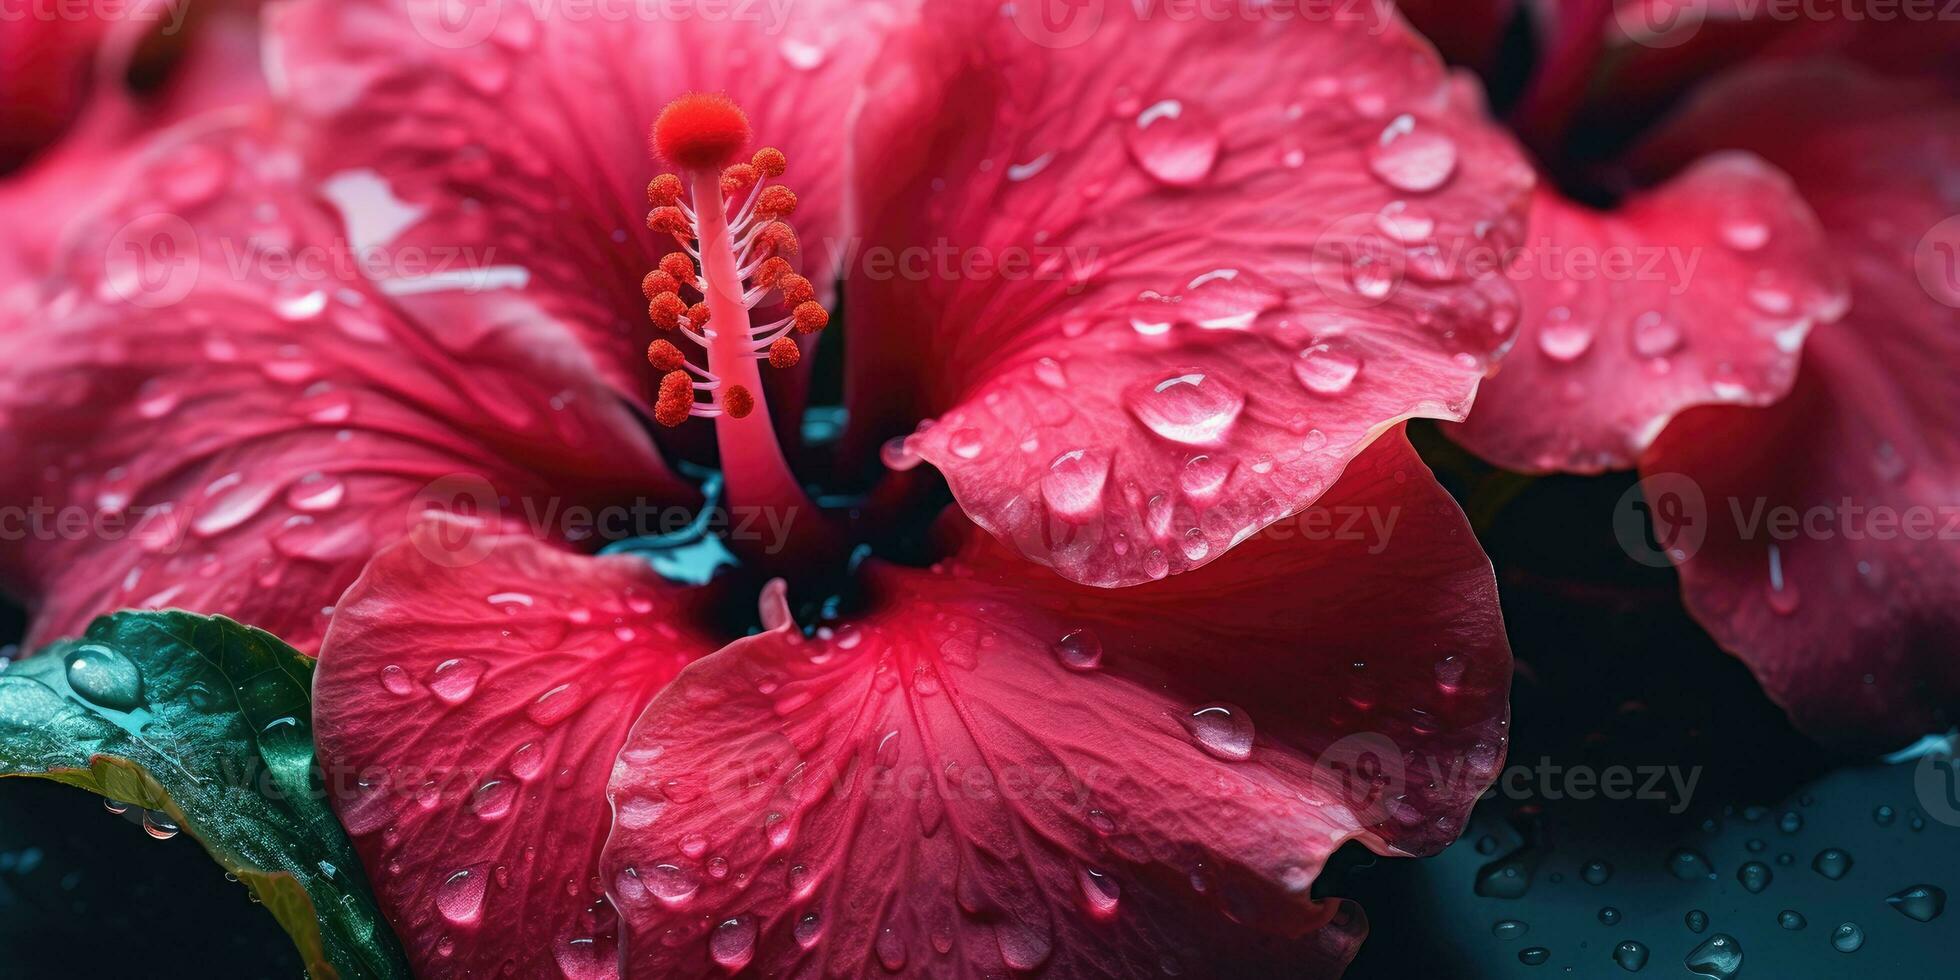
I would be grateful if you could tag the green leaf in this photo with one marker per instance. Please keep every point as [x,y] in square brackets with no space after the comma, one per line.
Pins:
[210,722]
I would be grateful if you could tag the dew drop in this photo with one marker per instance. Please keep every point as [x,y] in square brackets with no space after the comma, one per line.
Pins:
[1791,919]
[1832,863]
[967,444]
[1325,371]
[1697,921]
[1193,407]
[493,799]
[1413,156]
[732,944]
[1609,916]
[1174,143]
[1079,650]
[1720,958]
[1754,876]
[1563,338]
[808,930]
[1631,956]
[1596,873]
[1508,877]
[460,897]
[158,824]
[1508,929]
[1073,485]
[1534,956]
[454,680]
[105,677]
[1655,335]
[1920,903]
[673,885]
[1222,730]
[1848,937]
[1099,891]
[1689,864]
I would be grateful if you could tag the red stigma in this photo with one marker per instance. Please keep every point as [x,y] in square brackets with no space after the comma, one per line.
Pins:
[784,353]
[810,317]
[665,357]
[676,401]
[738,402]
[700,131]
[658,282]
[665,311]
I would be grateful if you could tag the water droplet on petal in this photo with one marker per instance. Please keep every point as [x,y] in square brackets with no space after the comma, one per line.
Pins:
[1222,730]
[1562,338]
[1655,335]
[460,896]
[1079,650]
[1173,142]
[455,680]
[1326,371]
[1100,892]
[732,944]
[1194,407]
[1073,485]
[1413,156]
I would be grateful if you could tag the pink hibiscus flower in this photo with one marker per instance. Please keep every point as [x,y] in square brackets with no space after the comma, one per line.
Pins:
[1187,310]
[1764,329]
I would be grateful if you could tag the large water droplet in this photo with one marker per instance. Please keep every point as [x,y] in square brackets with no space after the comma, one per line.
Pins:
[1413,156]
[1848,937]
[460,896]
[1326,371]
[1689,865]
[1719,958]
[1222,730]
[1832,863]
[1754,876]
[105,677]
[1073,485]
[1079,650]
[1631,956]
[1099,891]
[672,884]
[732,944]
[1173,142]
[158,825]
[1921,903]
[454,680]
[1192,407]
[1563,338]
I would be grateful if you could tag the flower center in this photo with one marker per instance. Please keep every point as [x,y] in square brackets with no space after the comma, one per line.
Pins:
[736,254]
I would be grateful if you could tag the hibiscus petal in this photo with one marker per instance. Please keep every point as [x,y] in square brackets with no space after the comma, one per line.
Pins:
[1160,286]
[1828,562]
[468,717]
[209,409]
[989,769]
[518,142]
[1698,293]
